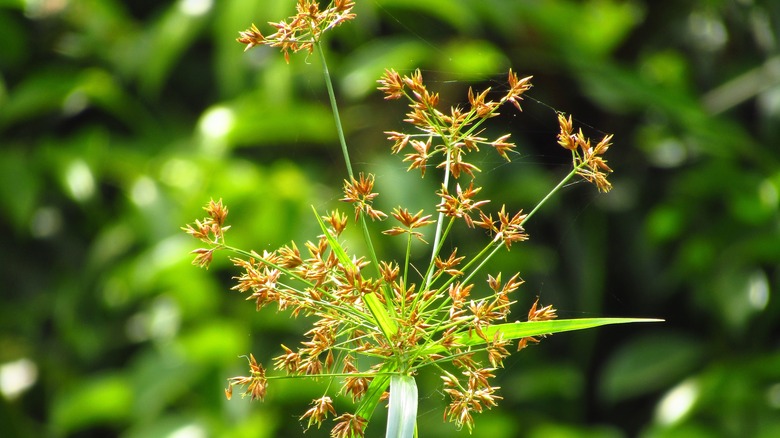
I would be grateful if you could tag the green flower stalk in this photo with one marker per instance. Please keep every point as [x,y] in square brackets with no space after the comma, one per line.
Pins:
[376,322]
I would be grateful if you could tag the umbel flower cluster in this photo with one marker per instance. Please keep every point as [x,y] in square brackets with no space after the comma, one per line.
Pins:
[434,318]
[375,318]
[303,30]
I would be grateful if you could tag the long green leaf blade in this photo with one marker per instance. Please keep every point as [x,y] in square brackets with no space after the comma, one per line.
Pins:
[517,330]
[383,319]
[375,390]
[402,413]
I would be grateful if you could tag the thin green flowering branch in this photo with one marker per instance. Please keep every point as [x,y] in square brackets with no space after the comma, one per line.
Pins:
[437,250]
[495,245]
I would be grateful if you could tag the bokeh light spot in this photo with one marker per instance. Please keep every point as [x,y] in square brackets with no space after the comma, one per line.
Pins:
[144,192]
[17,376]
[773,396]
[758,291]
[217,122]
[79,181]
[676,404]
[195,8]
[46,222]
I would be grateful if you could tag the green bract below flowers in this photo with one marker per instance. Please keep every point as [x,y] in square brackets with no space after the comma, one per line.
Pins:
[376,321]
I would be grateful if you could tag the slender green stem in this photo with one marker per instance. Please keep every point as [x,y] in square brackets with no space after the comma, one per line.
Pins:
[436,246]
[334,107]
[308,376]
[405,280]
[497,244]
[375,261]
[439,221]
[552,192]
[436,250]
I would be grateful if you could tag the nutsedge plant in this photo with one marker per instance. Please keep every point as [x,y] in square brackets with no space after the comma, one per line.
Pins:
[377,322]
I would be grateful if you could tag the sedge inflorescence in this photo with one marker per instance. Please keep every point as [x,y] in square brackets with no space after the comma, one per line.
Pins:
[374,317]
[302,30]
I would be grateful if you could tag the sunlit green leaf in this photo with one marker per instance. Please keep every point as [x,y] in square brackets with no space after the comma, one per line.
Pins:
[105,399]
[645,364]
[469,60]
[519,330]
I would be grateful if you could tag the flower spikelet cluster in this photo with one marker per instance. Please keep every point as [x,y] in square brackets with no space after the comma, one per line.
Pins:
[587,159]
[434,318]
[255,383]
[210,230]
[440,317]
[371,317]
[361,194]
[446,138]
[475,396]
[302,30]
[319,283]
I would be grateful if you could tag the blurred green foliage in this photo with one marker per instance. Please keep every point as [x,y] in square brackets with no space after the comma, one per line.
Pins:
[119,120]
